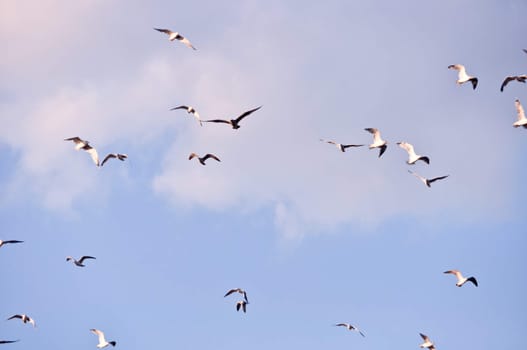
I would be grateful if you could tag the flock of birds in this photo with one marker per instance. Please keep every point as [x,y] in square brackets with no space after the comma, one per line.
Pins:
[378,142]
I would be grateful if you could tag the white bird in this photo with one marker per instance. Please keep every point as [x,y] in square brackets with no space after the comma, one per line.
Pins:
[80,261]
[204,158]
[462,76]
[24,318]
[350,327]
[120,156]
[340,146]
[519,78]
[378,142]
[241,304]
[190,110]
[235,123]
[412,157]
[426,181]
[102,341]
[12,241]
[175,35]
[237,290]
[85,145]
[522,120]
[460,279]
[427,342]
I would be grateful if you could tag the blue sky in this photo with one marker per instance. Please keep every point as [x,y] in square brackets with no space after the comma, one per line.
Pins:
[315,236]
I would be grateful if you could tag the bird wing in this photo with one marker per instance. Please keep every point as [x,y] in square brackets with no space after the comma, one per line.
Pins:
[75,139]
[209,155]
[100,334]
[8,341]
[408,147]
[166,31]
[382,150]
[348,146]
[85,257]
[524,50]
[425,337]
[217,121]
[519,109]
[185,41]
[376,134]
[13,241]
[473,280]
[418,176]
[32,321]
[108,156]
[192,155]
[455,272]
[437,178]
[93,153]
[505,82]
[232,291]
[245,114]
[179,107]
[15,316]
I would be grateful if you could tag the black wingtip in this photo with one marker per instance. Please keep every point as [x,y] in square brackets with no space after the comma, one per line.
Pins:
[474,83]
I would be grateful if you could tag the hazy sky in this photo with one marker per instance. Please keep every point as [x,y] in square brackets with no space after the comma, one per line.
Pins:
[315,236]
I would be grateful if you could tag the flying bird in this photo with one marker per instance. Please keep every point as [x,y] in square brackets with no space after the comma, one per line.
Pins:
[350,327]
[24,318]
[427,342]
[242,304]
[12,241]
[8,341]
[190,110]
[102,341]
[340,146]
[233,122]
[175,35]
[462,76]
[460,279]
[378,142]
[109,156]
[85,145]
[412,157]
[80,261]
[237,290]
[519,78]
[522,120]
[426,181]
[204,158]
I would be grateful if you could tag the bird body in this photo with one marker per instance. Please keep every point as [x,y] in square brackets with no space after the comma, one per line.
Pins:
[519,78]
[460,279]
[522,120]
[204,158]
[350,327]
[412,156]
[190,110]
[12,241]
[109,156]
[24,318]
[427,342]
[378,142]
[175,35]
[462,76]
[102,341]
[426,181]
[235,123]
[85,146]
[80,261]
[340,146]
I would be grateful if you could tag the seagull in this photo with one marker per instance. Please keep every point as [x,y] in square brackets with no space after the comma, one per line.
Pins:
[102,341]
[519,78]
[427,342]
[204,158]
[237,290]
[460,279]
[412,157]
[24,318]
[350,327]
[190,110]
[233,122]
[85,145]
[119,156]
[377,141]
[241,304]
[79,262]
[462,76]
[9,242]
[522,121]
[8,341]
[175,35]
[426,181]
[340,146]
